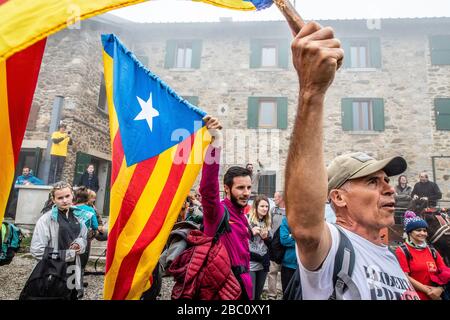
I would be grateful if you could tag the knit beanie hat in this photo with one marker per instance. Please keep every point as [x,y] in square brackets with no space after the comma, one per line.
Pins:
[413,222]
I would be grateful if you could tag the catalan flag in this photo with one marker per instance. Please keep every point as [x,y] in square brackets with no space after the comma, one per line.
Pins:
[18,78]
[240,4]
[24,22]
[158,145]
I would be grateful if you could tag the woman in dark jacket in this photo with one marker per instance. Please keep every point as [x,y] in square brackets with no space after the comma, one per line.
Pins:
[89,179]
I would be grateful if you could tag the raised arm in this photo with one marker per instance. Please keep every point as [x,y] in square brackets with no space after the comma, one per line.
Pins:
[316,57]
[209,184]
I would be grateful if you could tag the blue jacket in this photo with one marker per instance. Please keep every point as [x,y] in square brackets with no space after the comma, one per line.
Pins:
[290,258]
[30,178]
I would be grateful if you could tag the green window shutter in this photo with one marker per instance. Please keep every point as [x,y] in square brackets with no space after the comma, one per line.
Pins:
[282,113]
[196,53]
[283,53]
[347,114]
[442,109]
[378,114]
[171,46]
[345,43]
[375,53]
[252,112]
[192,99]
[255,53]
[440,49]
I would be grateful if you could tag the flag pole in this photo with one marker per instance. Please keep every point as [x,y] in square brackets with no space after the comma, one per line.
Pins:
[292,16]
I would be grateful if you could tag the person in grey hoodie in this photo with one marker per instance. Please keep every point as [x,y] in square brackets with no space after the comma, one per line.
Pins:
[60,229]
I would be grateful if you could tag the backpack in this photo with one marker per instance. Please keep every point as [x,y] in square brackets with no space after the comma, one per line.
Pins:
[189,250]
[49,279]
[344,263]
[11,237]
[409,257]
[276,249]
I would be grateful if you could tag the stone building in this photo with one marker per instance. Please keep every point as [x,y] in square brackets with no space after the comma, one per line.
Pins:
[391,97]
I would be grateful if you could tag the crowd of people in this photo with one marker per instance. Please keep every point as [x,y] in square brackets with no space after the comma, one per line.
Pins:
[355,185]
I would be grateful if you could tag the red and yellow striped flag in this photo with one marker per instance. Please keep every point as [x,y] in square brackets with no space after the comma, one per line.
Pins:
[18,78]
[152,172]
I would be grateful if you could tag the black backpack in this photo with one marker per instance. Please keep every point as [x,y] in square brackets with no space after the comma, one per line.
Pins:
[48,280]
[276,249]
[344,263]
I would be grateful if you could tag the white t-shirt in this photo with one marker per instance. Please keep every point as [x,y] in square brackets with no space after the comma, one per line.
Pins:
[376,273]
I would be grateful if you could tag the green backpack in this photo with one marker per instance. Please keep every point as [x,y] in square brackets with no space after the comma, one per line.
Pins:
[11,237]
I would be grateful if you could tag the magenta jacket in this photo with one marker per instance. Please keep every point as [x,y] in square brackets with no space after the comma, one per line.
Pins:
[237,241]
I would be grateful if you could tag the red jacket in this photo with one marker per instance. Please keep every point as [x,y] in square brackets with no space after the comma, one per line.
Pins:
[198,279]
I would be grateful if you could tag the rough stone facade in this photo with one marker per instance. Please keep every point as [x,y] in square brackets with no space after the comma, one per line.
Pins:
[407,82]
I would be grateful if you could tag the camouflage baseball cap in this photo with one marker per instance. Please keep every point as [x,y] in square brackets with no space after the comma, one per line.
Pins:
[358,164]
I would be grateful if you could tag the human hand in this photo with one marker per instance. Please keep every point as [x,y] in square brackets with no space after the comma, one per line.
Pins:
[264,233]
[214,128]
[76,247]
[256,230]
[316,56]
[434,293]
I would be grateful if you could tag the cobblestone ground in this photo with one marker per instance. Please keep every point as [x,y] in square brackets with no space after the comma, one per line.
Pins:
[14,276]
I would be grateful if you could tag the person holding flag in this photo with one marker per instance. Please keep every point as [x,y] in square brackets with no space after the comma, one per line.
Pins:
[158,141]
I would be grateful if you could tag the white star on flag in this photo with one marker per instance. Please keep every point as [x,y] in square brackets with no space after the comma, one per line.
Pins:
[148,112]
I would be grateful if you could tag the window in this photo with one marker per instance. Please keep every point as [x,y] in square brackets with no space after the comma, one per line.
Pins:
[363,114]
[267,112]
[362,53]
[102,105]
[269,56]
[440,49]
[269,53]
[183,54]
[267,116]
[442,109]
[359,53]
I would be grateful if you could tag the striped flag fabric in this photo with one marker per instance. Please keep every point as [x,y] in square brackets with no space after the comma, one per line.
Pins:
[240,4]
[24,22]
[158,145]
[18,79]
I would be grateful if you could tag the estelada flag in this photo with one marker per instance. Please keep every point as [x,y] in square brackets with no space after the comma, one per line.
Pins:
[158,145]
[18,78]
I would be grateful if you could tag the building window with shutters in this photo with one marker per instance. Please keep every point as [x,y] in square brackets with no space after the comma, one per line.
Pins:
[362,54]
[440,49]
[360,115]
[442,112]
[267,113]
[183,54]
[269,53]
